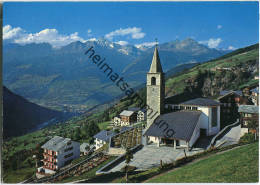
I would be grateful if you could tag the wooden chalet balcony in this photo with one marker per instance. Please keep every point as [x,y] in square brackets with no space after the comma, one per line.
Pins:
[48,155]
[53,161]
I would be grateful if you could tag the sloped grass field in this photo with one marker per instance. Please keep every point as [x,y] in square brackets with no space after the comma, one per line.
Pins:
[236,166]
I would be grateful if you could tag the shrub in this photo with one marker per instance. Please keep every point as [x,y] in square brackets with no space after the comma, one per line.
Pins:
[247,138]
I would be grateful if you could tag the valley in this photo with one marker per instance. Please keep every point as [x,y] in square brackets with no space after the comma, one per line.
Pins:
[187,83]
[62,79]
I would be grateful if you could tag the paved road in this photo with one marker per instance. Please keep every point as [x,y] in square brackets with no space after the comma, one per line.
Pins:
[150,155]
[231,137]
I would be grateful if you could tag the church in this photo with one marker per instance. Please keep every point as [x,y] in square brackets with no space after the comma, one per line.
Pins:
[181,128]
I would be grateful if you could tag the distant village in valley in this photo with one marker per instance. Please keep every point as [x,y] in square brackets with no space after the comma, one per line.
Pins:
[198,124]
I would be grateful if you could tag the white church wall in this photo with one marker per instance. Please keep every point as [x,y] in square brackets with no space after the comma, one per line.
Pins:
[154,139]
[214,130]
[183,143]
[204,118]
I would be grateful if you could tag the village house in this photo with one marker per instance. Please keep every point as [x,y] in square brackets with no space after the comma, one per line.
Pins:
[102,138]
[247,89]
[128,117]
[117,121]
[248,113]
[255,95]
[183,127]
[58,152]
[230,101]
[141,115]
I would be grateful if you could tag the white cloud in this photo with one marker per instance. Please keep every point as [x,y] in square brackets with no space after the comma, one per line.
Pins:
[231,48]
[145,44]
[219,27]
[52,36]
[11,33]
[122,42]
[135,33]
[212,42]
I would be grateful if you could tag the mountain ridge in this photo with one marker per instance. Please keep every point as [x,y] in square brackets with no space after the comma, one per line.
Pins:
[21,116]
[62,78]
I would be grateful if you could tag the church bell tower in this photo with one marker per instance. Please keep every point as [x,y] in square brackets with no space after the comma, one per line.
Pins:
[155,86]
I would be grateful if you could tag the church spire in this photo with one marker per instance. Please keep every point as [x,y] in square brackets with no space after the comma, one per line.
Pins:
[156,64]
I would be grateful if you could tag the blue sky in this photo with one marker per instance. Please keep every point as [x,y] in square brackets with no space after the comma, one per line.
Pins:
[216,24]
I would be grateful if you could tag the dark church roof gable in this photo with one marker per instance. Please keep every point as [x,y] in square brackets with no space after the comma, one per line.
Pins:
[182,123]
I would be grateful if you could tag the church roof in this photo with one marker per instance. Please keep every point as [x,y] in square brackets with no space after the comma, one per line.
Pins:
[156,66]
[182,123]
[201,102]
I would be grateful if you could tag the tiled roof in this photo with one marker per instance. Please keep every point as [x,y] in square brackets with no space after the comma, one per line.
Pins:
[126,113]
[255,90]
[253,109]
[201,102]
[182,123]
[104,135]
[225,92]
[56,143]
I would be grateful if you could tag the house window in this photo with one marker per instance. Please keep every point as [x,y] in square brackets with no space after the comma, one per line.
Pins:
[68,149]
[214,121]
[194,108]
[69,155]
[248,115]
[153,81]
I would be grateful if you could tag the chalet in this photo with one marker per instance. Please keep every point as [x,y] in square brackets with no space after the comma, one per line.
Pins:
[128,117]
[58,152]
[141,115]
[248,113]
[230,100]
[199,116]
[255,95]
[117,121]
[247,89]
[102,138]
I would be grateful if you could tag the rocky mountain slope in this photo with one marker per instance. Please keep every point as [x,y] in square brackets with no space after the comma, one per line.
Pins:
[21,116]
[64,78]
